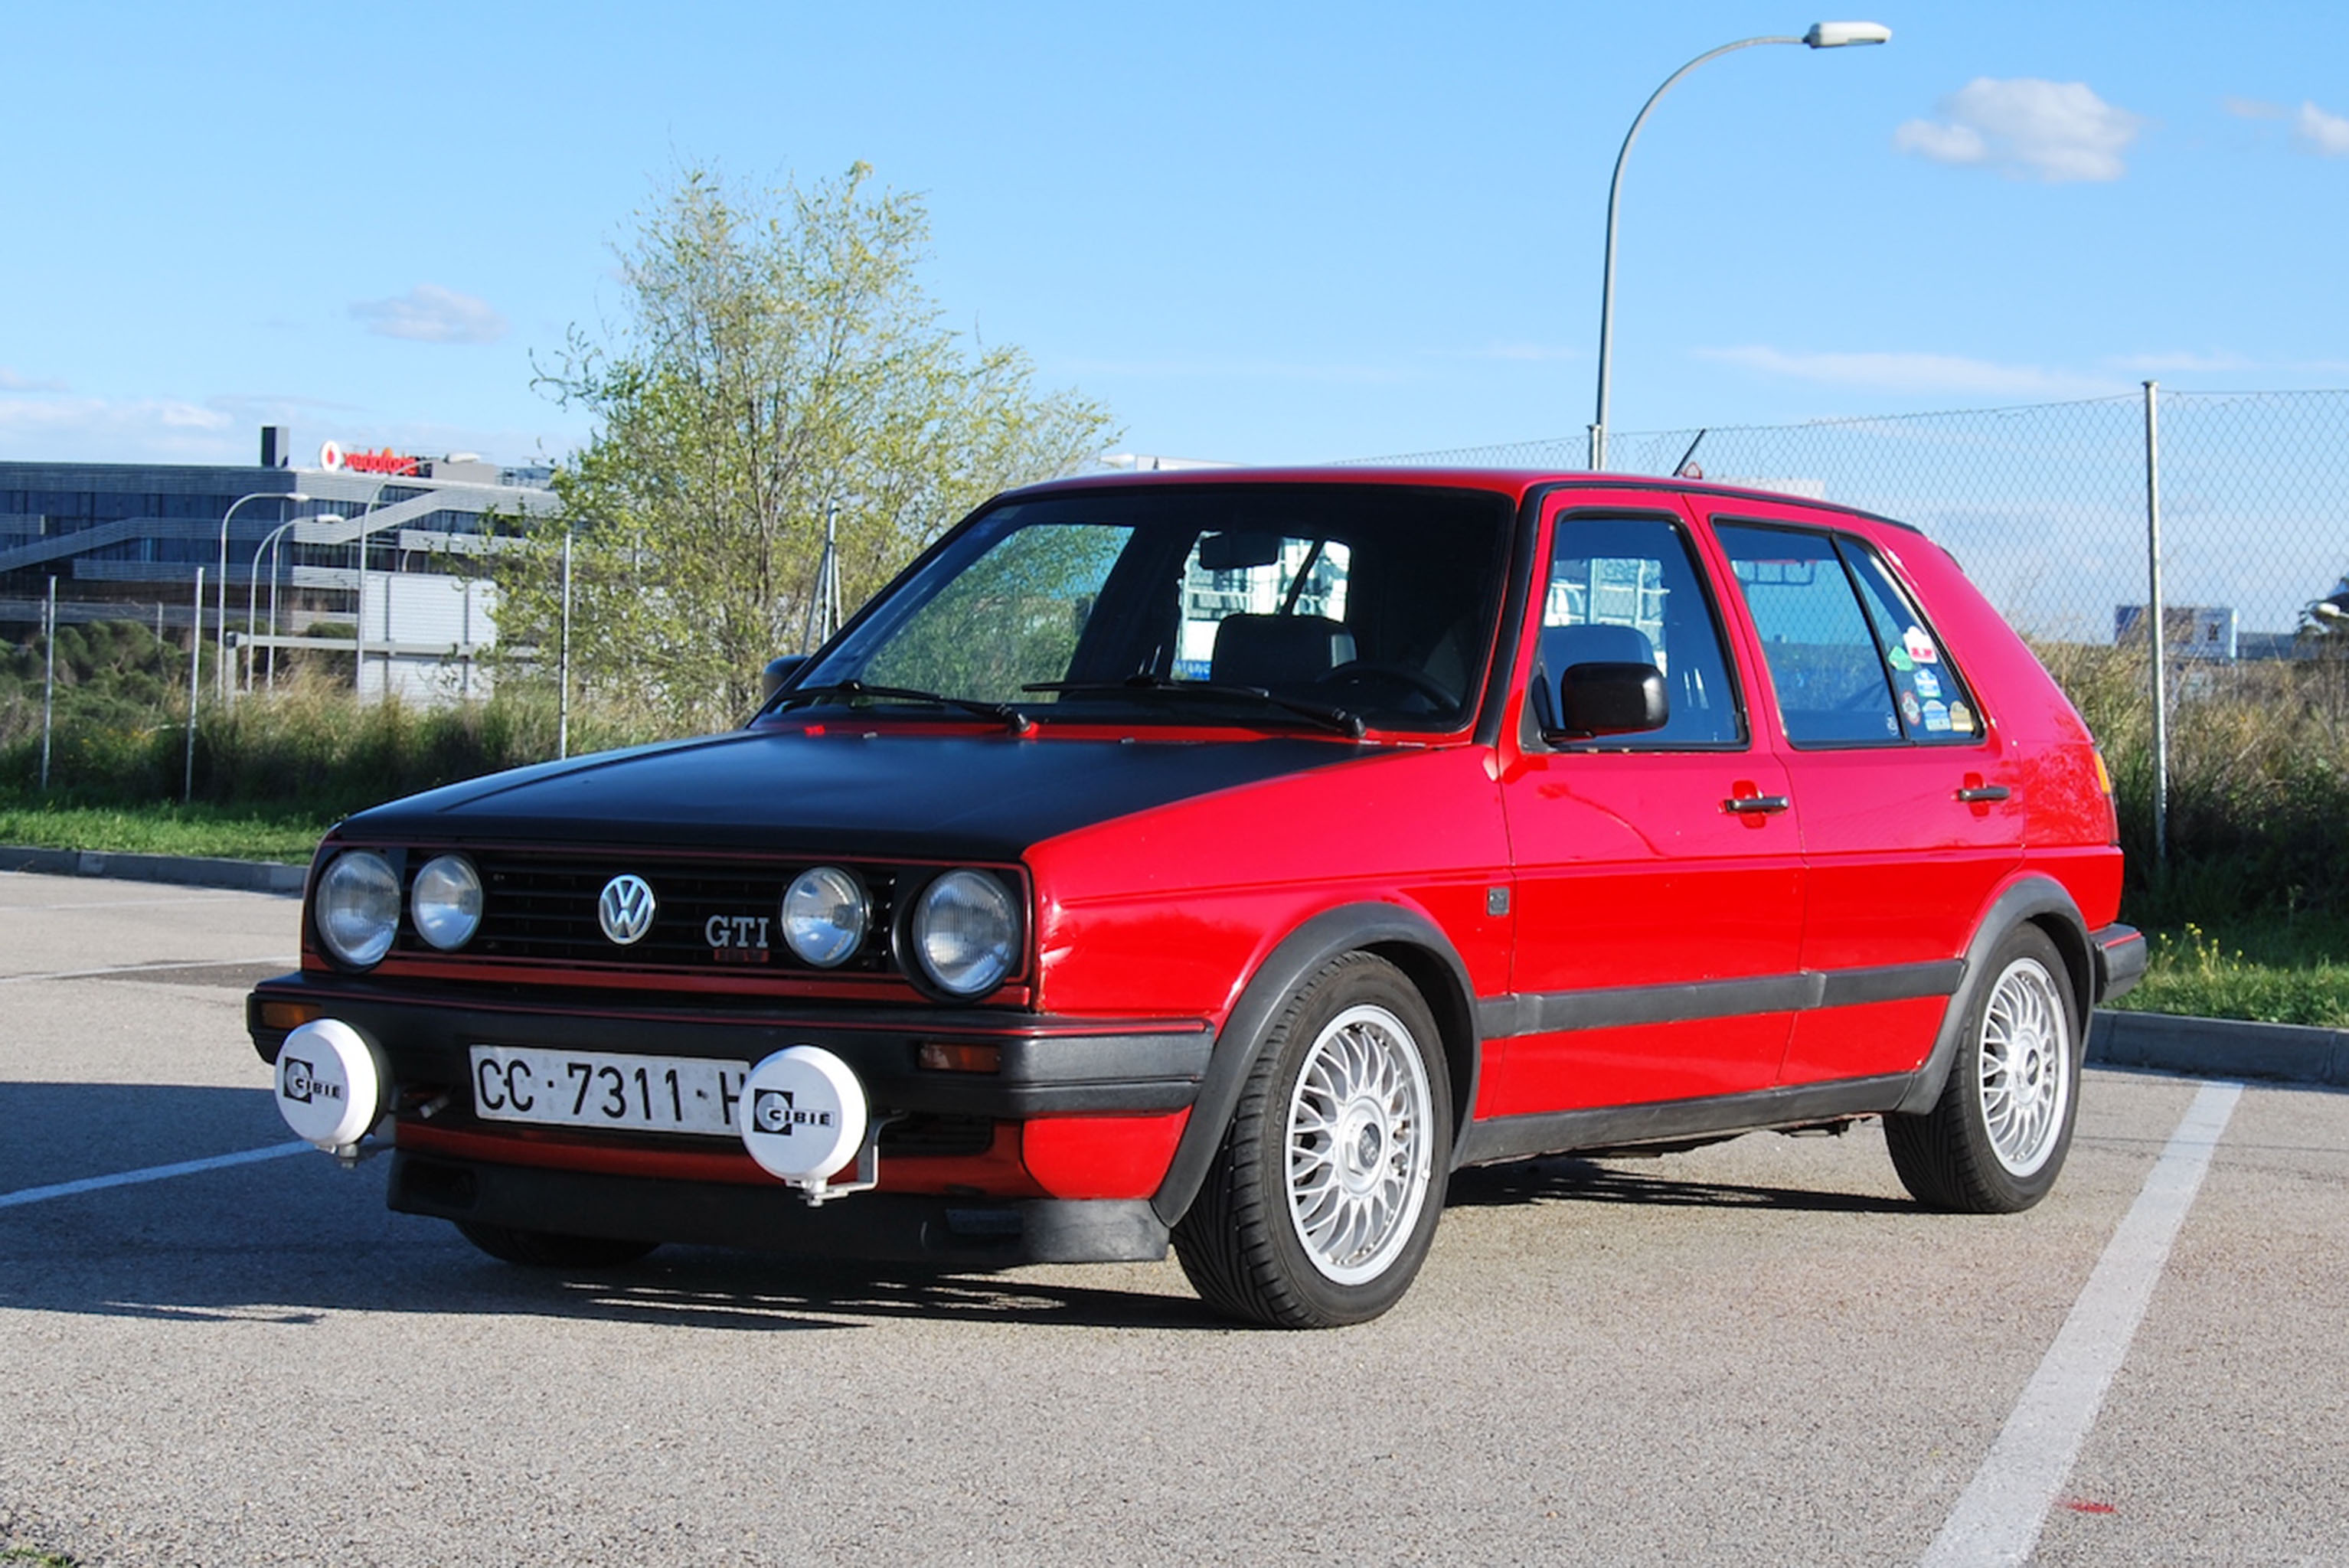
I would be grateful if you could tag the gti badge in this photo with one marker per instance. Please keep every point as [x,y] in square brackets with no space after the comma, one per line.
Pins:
[625,909]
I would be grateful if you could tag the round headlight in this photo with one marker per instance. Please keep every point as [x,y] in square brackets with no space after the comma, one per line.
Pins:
[966,933]
[824,916]
[445,902]
[358,907]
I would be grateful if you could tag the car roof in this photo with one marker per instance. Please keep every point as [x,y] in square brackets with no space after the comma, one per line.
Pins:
[1514,483]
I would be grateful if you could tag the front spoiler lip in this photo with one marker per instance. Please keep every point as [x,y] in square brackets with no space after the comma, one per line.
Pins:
[951,1232]
[1048,1065]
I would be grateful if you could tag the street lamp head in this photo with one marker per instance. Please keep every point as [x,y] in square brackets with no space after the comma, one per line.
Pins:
[328,517]
[1841,35]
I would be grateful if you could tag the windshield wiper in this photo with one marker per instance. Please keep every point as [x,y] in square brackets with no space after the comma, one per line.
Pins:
[1323,714]
[1010,718]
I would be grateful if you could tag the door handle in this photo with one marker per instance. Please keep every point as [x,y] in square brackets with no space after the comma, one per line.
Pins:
[1975,793]
[1745,805]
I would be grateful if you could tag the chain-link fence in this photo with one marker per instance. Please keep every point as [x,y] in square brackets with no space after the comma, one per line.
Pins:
[2052,511]
[2047,505]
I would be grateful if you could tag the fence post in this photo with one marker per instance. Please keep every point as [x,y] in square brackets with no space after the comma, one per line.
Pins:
[49,681]
[2155,639]
[195,647]
[562,684]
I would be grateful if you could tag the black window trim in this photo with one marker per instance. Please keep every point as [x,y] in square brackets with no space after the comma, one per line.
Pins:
[1677,522]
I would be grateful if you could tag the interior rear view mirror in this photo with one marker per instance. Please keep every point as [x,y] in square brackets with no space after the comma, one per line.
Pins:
[1237,552]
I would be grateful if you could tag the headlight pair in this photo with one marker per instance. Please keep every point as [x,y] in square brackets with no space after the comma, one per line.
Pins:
[964,930]
[358,905]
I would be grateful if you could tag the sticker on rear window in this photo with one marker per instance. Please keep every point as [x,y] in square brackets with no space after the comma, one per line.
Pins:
[1920,646]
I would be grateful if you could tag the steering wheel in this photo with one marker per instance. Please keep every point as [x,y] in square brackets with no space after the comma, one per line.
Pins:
[1366,672]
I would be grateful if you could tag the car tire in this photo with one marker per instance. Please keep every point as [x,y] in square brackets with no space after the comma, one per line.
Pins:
[1995,1140]
[1324,1195]
[549,1250]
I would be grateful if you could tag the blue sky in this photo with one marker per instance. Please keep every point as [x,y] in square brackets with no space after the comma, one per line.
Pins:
[1258,232]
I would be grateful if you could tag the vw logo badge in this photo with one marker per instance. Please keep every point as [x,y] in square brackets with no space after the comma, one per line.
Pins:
[624,910]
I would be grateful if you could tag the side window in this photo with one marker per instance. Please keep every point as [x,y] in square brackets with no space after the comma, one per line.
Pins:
[1933,700]
[1628,591]
[1850,657]
[1824,659]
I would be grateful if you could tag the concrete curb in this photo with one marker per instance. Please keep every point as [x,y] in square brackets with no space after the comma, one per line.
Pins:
[181,870]
[2218,1048]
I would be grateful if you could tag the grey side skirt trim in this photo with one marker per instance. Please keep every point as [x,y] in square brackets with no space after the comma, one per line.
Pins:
[1611,1127]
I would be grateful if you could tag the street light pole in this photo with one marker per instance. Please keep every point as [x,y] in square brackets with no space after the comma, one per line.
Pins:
[253,587]
[1822,36]
[292,497]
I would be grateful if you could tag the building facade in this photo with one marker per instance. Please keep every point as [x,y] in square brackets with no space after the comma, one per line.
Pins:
[375,554]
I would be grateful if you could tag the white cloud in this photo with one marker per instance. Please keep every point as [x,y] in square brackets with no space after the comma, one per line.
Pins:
[2322,133]
[2180,363]
[53,428]
[2057,132]
[431,313]
[1917,373]
[2254,109]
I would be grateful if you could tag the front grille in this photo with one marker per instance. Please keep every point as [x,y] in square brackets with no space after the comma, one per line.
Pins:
[541,909]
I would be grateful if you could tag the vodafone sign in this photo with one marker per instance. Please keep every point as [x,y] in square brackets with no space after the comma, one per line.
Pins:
[333,460]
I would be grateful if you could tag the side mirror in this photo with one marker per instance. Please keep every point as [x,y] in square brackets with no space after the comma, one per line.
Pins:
[779,673]
[1598,699]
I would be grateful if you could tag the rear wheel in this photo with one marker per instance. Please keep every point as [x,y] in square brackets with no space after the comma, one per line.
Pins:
[1324,1197]
[1995,1140]
[546,1249]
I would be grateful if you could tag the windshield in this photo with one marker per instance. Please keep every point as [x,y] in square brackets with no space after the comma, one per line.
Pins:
[1373,601]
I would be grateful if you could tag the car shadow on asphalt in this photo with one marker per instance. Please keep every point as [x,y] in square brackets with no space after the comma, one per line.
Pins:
[295,1239]
[1565,1178]
[291,1241]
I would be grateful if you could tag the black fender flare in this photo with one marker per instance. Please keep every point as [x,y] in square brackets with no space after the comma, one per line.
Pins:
[1402,937]
[2039,900]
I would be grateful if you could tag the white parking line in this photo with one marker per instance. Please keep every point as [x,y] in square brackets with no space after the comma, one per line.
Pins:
[1999,1516]
[152,1173]
[150,968]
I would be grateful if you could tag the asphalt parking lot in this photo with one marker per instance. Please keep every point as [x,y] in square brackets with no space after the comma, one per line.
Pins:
[1759,1352]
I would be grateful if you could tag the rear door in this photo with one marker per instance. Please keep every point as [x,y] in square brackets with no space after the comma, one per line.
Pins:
[1904,786]
[1659,876]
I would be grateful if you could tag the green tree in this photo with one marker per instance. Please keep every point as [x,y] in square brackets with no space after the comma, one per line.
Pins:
[776,359]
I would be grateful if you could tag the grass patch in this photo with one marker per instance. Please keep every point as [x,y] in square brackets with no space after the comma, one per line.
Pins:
[2285,970]
[36,1557]
[213,831]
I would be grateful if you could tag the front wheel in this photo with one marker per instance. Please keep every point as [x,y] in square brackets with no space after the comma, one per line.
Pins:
[1323,1199]
[1994,1142]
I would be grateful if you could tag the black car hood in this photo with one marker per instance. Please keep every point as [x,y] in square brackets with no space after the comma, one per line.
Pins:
[891,793]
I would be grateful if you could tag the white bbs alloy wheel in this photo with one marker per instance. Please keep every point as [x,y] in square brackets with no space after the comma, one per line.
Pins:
[2026,1081]
[1325,1192]
[1358,1160]
[1995,1140]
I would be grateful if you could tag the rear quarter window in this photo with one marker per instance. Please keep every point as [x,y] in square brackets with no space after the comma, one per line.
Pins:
[1852,659]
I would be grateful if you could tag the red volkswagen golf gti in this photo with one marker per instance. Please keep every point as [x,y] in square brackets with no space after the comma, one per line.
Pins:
[1225,858]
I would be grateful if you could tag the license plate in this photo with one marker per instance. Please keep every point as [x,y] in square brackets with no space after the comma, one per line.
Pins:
[592,1088]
